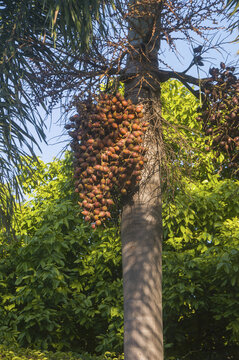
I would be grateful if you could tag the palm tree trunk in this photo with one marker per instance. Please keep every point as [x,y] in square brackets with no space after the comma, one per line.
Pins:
[141,234]
[141,225]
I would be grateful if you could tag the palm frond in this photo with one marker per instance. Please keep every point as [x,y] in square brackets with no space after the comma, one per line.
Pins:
[28,31]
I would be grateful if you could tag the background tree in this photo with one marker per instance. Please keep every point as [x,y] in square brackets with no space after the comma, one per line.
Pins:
[200,221]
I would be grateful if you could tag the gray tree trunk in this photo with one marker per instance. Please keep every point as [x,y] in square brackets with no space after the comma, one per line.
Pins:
[141,233]
[141,226]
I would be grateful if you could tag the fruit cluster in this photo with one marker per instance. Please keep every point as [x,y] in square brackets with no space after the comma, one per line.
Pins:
[220,113]
[107,143]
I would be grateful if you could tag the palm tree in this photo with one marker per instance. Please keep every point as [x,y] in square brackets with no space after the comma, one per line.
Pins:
[141,226]
[131,51]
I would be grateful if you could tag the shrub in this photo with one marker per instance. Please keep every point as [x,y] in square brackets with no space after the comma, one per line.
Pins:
[17,353]
[60,282]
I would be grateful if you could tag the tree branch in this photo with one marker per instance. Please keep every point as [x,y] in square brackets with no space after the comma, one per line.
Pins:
[161,76]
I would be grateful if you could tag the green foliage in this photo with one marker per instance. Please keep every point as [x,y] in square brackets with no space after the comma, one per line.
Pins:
[73,19]
[201,242]
[60,282]
[232,6]
[16,103]
[201,272]
[16,353]
[32,35]
[183,135]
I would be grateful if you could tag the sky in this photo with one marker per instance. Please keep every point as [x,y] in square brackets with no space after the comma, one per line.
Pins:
[57,137]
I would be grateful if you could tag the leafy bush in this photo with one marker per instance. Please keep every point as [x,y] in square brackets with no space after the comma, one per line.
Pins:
[16,353]
[60,283]
[201,272]
[201,241]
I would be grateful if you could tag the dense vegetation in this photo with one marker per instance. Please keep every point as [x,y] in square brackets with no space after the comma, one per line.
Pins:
[61,282]
[16,353]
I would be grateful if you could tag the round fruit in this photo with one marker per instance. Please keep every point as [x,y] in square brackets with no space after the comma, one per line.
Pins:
[109,158]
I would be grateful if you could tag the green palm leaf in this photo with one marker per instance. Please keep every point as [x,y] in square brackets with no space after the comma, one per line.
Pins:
[29,30]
